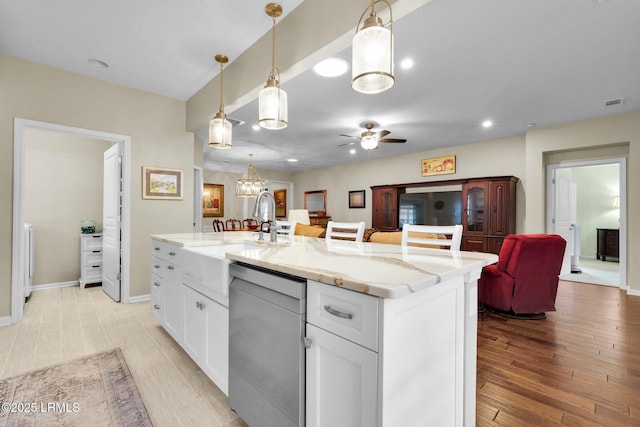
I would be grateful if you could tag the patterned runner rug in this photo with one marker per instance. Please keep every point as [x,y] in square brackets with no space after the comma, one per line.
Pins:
[95,390]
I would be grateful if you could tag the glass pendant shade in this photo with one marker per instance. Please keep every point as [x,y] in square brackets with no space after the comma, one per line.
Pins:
[272,110]
[369,142]
[220,127]
[372,56]
[248,185]
[220,132]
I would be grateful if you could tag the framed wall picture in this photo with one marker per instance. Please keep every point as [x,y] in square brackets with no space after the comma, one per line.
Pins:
[316,202]
[161,183]
[439,166]
[356,199]
[213,200]
[281,202]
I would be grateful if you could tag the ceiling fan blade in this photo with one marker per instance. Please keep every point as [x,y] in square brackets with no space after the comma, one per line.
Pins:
[392,140]
[350,136]
[348,143]
[381,134]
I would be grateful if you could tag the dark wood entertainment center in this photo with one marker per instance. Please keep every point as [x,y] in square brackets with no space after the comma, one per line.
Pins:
[488,209]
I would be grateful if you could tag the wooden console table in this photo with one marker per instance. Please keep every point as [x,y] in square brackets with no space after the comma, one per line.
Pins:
[608,244]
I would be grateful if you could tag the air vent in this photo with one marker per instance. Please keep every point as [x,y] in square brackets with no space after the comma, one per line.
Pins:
[235,122]
[614,102]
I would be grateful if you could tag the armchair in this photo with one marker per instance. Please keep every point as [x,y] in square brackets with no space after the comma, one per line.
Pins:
[524,281]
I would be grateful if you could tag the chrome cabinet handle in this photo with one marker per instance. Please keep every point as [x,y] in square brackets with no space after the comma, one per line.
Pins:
[156,266]
[172,253]
[171,267]
[338,313]
[156,306]
[156,248]
[156,284]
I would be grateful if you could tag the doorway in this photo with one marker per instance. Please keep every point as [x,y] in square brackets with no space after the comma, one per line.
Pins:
[589,198]
[21,128]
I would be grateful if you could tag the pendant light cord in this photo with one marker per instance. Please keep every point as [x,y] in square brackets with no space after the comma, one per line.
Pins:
[221,88]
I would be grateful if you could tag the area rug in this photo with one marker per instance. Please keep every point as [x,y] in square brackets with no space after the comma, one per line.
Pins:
[96,390]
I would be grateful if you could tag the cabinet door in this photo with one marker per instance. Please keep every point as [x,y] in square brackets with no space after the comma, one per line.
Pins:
[502,211]
[474,207]
[216,363]
[385,208]
[342,384]
[195,326]
[174,308]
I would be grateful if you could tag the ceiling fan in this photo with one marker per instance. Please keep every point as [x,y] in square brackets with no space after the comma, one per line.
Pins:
[369,139]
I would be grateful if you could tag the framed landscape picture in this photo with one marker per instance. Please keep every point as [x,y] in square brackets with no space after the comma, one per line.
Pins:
[212,200]
[356,199]
[161,183]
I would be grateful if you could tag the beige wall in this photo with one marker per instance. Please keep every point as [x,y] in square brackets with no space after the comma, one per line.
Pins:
[154,123]
[606,134]
[472,160]
[63,186]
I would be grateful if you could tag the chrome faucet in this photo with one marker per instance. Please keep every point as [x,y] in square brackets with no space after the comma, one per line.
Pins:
[270,214]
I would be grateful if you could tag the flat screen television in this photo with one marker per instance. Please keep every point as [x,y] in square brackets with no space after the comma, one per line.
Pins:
[431,208]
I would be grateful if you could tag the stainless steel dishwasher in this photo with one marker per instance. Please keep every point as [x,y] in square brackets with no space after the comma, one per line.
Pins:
[267,314]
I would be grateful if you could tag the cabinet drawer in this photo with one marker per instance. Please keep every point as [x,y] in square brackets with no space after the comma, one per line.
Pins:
[474,244]
[346,313]
[90,259]
[92,272]
[158,266]
[93,242]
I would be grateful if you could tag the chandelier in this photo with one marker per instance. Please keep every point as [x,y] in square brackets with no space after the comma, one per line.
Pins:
[248,185]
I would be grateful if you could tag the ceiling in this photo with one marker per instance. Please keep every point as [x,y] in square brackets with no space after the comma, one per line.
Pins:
[518,63]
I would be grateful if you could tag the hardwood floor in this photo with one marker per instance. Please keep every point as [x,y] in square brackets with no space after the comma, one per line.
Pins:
[63,324]
[580,366]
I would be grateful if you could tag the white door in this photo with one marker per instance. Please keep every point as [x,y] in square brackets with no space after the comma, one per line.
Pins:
[111,207]
[564,213]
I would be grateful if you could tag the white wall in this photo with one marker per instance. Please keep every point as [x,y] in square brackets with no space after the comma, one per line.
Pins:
[63,186]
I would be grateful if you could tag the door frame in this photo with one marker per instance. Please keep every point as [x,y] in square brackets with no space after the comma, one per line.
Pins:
[622,179]
[20,126]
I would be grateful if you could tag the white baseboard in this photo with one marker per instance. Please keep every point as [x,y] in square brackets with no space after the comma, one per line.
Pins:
[139,298]
[55,285]
[634,292]
[5,321]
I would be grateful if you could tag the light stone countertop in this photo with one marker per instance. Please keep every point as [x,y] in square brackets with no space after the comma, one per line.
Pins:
[388,271]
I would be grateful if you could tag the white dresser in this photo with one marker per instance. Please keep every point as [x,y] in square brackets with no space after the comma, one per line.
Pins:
[90,259]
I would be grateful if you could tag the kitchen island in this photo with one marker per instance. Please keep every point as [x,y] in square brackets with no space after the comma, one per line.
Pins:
[419,338]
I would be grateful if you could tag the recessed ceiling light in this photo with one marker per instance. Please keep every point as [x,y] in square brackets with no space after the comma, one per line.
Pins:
[331,67]
[97,63]
[530,125]
[352,151]
[406,63]
[292,160]
[255,127]
[487,124]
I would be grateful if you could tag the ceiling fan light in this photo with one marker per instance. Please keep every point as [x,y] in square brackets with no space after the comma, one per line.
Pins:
[272,109]
[372,56]
[220,132]
[369,142]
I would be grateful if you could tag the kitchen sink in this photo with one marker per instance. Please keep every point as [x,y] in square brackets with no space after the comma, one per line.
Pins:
[207,270]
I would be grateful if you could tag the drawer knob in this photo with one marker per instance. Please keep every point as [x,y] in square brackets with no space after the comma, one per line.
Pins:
[338,313]
[156,306]
[156,284]
[171,267]
[172,253]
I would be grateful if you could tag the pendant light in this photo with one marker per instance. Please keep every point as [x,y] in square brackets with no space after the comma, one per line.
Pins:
[272,110]
[220,127]
[248,186]
[372,50]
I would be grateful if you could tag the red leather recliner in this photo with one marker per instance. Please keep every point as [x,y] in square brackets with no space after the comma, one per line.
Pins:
[525,278]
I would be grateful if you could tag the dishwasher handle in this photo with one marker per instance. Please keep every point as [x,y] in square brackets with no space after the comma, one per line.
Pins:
[337,313]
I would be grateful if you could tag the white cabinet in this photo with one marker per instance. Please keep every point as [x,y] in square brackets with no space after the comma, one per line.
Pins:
[342,358]
[186,308]
[90,259]
[206,337]
[342,382]
[384,362]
